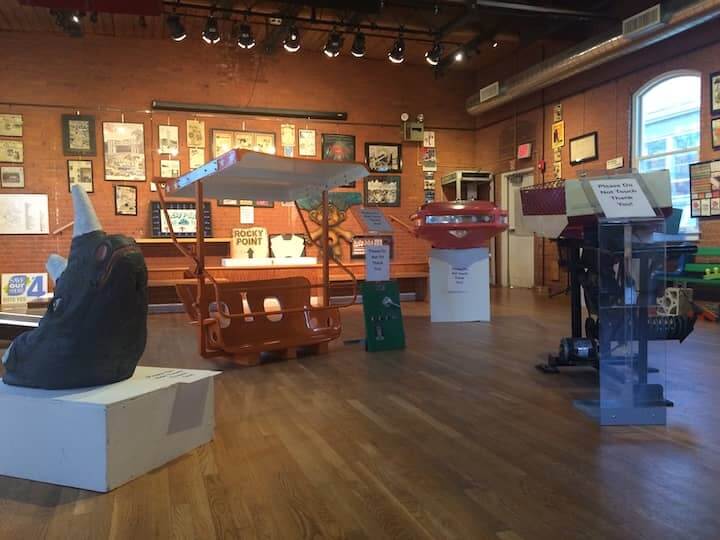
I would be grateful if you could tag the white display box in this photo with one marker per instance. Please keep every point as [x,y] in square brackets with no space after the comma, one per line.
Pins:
[269,261]
[459,285]
[102,437]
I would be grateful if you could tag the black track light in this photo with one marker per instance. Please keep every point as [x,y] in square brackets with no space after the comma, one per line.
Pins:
[459,55]
[211,34]
[291,43]
[358,46]
[333,44]
[175,27]
[432,56]
[397,53]
[246,40]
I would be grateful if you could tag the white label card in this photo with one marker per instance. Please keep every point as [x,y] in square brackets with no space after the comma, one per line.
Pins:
[377,263]
[374,220]
[622,198]
[458,279]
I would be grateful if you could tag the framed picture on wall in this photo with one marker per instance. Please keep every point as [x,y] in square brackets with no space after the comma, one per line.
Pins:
[306,143]
[715,131]
[78,134]
[125,200]
[12,177]
[197,157]
[169,139]
[169,168]
[182,217]
[382,190]
[124,145]
[336,147]
[383,157]
[80,171]
[715,93]
[11,151]
[195,133]
[558,135]
[584,148]
[11,125]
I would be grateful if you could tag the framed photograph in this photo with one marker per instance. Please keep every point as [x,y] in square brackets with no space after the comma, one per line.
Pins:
[125,200]
[11,151]
[383,157]
[197,157]
[169,140]
[80,171]
[558,135]
[169,168]
[715,131]
[78,133]
[124,145]
[360,242]
[715,93]
[195,133]
[183,219]
[382,191]
[584,148]
[337,147]
[429,158]
[306,143]
[12,177]
[11,125]
[557,155]
[265,143]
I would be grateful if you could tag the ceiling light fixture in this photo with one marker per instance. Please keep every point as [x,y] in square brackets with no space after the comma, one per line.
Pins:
[75,17]
[175,27]
[397,53]
[494,44]
[246,40]
[459,56]
[211,34]
[432,56]
[291,43]
[358,46]
[333,44]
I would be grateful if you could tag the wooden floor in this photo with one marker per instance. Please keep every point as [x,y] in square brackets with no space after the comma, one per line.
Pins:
[456,437]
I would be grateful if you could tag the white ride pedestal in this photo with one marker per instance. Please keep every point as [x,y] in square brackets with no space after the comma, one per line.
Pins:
[100,438]
[459,285]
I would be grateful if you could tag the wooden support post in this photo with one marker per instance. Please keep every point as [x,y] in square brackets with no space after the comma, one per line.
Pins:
[325,249]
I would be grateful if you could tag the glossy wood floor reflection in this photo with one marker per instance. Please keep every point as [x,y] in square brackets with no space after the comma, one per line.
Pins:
[456,437]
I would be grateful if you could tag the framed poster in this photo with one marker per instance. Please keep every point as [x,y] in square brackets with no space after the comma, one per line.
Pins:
[169,139]
[195,133]
[11,125]
[78,133]
[196,157]
[715,93]
[245,202]
[124,145]
[182,217]
[287,134]
[360,242]
[429,158]
[715,133]
[11,151]
[265,143]
[382,190]
[224,140]
[558,135]
[306,143]
[169,168]
[337,147]
[705,189]
[557,170]
[23,214]
[12,177]
[80,171]
[383,157]
[125,200]
[584,148]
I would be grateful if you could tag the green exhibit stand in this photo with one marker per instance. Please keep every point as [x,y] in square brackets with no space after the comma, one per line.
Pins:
[383,316]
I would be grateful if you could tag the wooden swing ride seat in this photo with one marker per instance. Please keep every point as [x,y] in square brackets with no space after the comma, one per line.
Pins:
[244,319]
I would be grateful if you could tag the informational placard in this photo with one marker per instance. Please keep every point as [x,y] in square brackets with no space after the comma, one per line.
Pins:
[458,279]
[249,243]
[20,288]
[361,242]
[705,189]
[377,263]
[373,220]
[622,198]
[23,214]
[247,215]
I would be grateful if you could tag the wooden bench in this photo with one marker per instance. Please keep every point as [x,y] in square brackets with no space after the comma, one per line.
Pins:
[693,268]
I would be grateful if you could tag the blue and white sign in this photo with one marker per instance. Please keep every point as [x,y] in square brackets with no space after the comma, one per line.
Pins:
[20,288]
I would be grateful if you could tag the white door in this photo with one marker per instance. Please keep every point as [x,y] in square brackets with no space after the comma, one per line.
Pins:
[520,245]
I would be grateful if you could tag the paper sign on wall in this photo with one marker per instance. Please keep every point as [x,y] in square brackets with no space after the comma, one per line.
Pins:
[247,215]
[20,288]
[377,263]
[622,198]
[373,220]
[458,279]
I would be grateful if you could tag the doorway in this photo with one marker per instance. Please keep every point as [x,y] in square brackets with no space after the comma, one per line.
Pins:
[517,256]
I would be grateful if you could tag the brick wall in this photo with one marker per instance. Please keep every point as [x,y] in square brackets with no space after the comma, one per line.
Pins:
[111,77]
[599,100]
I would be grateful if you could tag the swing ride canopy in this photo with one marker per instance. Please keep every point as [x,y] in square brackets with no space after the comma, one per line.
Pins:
[243,174]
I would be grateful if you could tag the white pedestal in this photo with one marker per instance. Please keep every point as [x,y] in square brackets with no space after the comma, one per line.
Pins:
[100,438]
[459,285]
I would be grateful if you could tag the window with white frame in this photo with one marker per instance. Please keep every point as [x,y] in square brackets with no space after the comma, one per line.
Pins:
[666,133]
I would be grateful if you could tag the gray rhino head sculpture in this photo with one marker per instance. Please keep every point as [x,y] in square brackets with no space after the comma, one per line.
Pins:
[95,329]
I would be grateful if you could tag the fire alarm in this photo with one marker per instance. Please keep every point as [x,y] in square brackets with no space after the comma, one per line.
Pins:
[541,165]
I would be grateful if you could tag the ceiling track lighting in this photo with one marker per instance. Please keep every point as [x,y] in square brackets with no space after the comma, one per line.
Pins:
[211,34]
[397,53]
[432,56]
[175,27]
[333,44]
[291,43]
[459,55]
[358,46]
[246,40]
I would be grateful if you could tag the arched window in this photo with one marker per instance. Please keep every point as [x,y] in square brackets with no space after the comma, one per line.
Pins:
[666,133]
